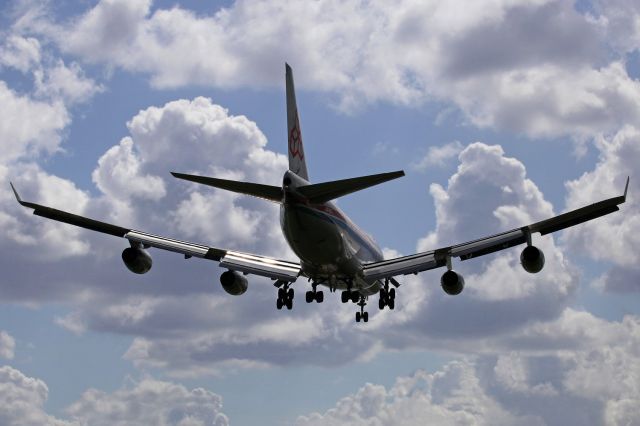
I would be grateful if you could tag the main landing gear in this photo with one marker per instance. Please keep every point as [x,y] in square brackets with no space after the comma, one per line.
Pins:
[314,294]
[285,295]
[362,315]
[388,296]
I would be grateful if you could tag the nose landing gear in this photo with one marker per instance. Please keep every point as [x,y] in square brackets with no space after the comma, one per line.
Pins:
[362,315]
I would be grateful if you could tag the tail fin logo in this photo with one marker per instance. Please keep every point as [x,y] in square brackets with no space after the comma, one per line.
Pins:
[295,141]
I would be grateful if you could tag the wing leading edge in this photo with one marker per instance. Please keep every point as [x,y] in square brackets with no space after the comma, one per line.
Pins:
[242,262]
[424,261]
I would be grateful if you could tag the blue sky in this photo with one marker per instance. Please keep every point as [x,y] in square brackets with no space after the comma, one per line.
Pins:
[501,114]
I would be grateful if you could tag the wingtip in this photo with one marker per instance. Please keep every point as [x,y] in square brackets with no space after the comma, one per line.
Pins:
[15,193]
[626,188]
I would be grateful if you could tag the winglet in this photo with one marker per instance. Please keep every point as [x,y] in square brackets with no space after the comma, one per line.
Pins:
[626,187]
[16,194]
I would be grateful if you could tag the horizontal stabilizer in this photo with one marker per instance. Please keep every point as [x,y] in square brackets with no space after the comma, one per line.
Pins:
[323,192]
[268,192]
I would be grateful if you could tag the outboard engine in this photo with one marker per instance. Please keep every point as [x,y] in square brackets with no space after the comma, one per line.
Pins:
[532,259]
[137,260]
[234,283]
[452,283]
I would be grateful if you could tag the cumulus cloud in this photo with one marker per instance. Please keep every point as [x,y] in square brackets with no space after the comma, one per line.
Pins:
[614,238]
[551,76]
[7,345]
[148,401]
[438,156]
[21,53]
[22,399]
[576,361]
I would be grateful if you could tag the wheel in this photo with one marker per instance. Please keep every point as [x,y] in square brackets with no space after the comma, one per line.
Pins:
[365,317]
[392,304]
[290,294]
[345,296]
[289,304]
[358,316]
[279,303]
[319,296]
[392,294]
[381,303]
[383,293]
[308,296]
[280,293]
[355,296]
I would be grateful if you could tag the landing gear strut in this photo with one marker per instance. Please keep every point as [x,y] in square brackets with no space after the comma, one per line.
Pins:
[285,295]
[362,315]
[349,294]
[388,296]
[314,294]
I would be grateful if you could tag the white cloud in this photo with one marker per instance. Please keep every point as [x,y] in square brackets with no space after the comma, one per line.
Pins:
[22,399]
[613,238]
[539,68]
[437,156]
[578,369]
[7,345]
[69,83]
[147,402]
[21,53]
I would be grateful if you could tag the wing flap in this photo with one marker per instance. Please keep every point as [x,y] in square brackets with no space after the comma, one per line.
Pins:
[488,245]
[260,265]
[403,265]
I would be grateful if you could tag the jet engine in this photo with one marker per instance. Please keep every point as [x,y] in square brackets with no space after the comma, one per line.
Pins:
[452,283]
[234,283]
[532,259]
[137,260]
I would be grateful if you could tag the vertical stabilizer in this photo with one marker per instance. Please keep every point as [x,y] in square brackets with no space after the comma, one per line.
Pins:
[296,151]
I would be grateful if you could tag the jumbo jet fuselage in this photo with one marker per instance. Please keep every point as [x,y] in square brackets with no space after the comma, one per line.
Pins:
[331,247]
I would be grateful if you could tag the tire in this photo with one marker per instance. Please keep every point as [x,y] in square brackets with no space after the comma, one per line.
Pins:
[290,294]
[381,304]
[392,304]
[392,294]
[355,296]
[280,293]
[289,304]
[279,303]
[308,296]
[344,297]
[365,317]
[358,316]
[320,296]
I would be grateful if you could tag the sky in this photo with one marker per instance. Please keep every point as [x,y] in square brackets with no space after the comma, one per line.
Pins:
[501,113]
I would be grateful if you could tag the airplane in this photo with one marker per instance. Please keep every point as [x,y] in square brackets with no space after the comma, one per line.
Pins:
[333,252]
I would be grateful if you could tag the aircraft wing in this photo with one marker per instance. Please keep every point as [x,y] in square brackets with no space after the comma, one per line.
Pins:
[424,261]
[234,260]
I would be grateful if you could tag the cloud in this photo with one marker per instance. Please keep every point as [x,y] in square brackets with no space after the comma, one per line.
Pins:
[613,238]
[149,401]
[69,83]
[437,156]
[21,53]
[22,399]
[577,369]
[144,402]
[552,75]
[7,345]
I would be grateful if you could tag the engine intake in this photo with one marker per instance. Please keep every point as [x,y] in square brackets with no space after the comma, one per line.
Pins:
[532,259]
[137,260]
[234,283]
[452,283]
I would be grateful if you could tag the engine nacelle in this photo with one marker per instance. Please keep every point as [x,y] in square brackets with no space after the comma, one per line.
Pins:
[234,283]
[452,283]
[532,259]
[137,260]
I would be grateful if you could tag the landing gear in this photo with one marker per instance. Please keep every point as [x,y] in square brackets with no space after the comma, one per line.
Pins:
[285,295]
[349,296]
[314,294]
[362,315]
[388,296]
